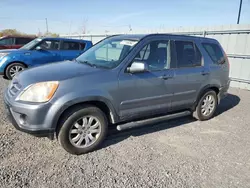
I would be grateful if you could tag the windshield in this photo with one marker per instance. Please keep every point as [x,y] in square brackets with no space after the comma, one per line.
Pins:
[108,53]
[31,44]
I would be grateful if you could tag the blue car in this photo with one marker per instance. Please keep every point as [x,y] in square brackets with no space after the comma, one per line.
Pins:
[40,51]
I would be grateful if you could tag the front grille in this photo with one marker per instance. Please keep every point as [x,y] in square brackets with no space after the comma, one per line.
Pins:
[14,88]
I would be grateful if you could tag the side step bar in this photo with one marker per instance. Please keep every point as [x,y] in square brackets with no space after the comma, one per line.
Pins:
[151,120]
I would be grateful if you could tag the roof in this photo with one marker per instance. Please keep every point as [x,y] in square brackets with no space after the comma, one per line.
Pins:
[66,39]
[130,36]
[140,36]
[18,36]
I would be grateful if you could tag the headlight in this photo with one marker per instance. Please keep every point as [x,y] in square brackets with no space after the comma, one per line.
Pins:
[39,92]
[3,54]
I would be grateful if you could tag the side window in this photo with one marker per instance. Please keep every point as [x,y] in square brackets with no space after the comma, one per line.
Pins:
[188,55]
[82,46]
[22,41]
[144,53]
[6,41]
[49,45]
[155,55]
[214,51]
[67,45]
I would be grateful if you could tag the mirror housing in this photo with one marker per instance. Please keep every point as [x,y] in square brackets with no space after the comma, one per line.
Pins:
[113,45]
[137,66]
[38,48]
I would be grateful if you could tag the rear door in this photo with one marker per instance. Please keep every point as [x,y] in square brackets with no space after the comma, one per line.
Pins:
[48,52]
[70,49]
[219,64]
[190,74]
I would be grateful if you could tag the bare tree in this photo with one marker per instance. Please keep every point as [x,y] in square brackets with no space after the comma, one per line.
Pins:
[83,28]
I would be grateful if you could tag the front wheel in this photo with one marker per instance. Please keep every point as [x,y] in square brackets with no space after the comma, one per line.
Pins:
[83,130]
[206,106]
[13,69]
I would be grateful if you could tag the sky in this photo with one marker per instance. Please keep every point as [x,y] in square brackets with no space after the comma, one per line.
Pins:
[104,16]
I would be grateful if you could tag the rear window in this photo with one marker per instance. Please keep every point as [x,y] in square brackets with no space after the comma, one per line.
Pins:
[214,51]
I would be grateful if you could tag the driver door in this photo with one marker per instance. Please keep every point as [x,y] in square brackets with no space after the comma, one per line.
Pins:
[47,51]
[146,93]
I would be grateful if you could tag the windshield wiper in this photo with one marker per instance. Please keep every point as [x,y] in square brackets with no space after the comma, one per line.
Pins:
[87,63]
[91,64]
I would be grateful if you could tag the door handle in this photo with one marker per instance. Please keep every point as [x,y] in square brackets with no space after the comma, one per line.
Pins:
[205,73]
[165,77]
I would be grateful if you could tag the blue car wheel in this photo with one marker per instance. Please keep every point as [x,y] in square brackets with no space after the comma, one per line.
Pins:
[12,69]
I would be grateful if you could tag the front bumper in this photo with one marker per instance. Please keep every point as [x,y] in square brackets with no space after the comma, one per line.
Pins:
[28,119]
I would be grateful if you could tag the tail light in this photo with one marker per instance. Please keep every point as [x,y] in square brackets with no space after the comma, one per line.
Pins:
[227,60]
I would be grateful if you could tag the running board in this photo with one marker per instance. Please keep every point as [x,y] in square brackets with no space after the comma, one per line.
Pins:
[144,122]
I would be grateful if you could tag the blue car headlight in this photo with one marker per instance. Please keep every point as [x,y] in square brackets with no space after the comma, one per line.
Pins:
[3,54]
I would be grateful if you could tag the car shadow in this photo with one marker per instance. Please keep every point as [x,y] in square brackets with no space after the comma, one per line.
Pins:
[115,136]
[4,77]
[227,103]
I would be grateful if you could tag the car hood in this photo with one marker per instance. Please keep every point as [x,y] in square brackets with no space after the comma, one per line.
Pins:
[55,72]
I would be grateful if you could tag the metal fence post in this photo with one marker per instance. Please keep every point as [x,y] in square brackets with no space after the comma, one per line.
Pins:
[204,33]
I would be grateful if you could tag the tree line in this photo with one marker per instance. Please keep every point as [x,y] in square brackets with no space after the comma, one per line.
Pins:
[16,32]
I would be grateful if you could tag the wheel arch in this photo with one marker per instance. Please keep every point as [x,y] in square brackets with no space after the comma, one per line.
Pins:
[213,87]
[103,104]
[21,62]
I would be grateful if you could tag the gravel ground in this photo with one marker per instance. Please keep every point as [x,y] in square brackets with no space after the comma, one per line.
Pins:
[179,153]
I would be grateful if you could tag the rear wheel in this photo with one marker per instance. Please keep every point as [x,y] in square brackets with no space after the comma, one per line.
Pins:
[206,106]
[83,130]
[13,69]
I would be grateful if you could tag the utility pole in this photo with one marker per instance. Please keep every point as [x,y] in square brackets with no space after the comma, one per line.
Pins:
[47,28]
[70,27]
[238,21]
[130,28]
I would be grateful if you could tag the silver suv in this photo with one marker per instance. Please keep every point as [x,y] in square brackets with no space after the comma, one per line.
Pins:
[121,81]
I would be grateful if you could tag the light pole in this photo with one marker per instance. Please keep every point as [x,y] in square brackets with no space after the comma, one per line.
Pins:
[238,21]
[47,28]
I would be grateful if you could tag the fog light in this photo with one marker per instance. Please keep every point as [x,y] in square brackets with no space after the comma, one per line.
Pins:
[22,119]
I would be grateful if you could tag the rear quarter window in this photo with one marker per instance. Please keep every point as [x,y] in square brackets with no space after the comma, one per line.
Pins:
[82,46]
[214,51]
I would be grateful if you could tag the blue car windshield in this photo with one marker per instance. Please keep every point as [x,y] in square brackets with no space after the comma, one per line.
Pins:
[108,53]
[31,44]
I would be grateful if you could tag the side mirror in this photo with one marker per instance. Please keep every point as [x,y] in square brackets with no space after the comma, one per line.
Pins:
[137,67]
[38,48]
[113,45]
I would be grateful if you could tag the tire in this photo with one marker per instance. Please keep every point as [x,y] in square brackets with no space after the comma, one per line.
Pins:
[11,67]
[69,139]
[199,111]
